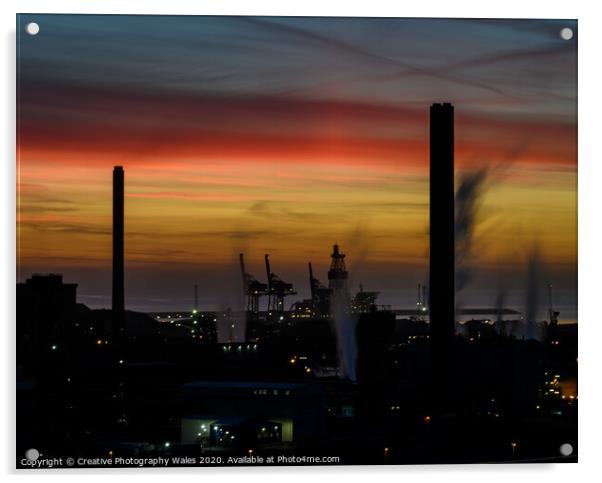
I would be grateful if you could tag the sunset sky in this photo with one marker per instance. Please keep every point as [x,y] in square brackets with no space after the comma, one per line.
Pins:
[284,136]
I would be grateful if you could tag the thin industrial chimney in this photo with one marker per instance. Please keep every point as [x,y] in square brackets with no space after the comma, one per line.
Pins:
[118,301]
[441,276]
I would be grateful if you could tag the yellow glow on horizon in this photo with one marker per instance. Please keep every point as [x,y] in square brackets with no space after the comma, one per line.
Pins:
[202,215]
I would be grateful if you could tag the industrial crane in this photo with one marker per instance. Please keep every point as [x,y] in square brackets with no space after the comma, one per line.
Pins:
[277,289]
[252,288]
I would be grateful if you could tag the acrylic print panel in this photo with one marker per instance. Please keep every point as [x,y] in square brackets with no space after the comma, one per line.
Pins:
[292,241]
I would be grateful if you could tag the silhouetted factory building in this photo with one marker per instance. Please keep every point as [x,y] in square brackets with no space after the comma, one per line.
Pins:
[118,300]
[441,270]
[46,309]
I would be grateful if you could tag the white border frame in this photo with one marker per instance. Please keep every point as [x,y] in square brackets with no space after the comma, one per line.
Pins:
[590,233]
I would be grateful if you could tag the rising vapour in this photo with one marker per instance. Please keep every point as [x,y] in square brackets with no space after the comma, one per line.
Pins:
[468,199]
[470,193]
[345,324]
[344,321]
[359,241]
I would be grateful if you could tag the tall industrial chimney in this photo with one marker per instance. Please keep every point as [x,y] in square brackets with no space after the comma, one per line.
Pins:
[441,276]
[118,301]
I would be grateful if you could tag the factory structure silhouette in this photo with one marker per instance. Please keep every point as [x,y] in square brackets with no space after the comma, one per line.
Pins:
[440,309]
[335,301]
[335,374]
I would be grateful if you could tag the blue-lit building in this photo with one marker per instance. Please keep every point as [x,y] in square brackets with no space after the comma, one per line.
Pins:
[233,413]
